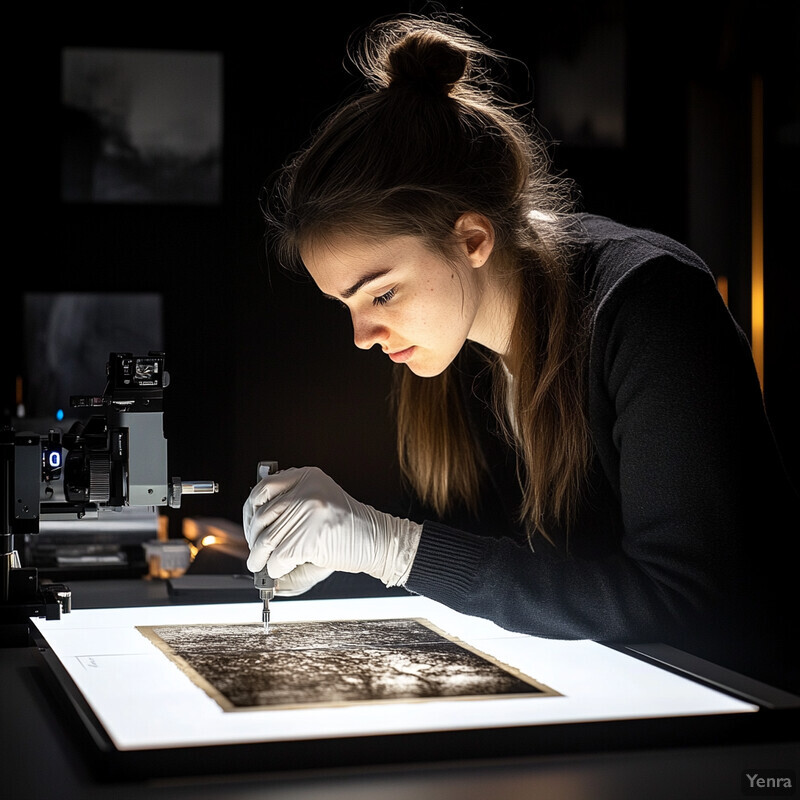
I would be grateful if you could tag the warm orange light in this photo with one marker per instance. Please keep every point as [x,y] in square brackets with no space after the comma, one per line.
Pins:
[757,228]
[722,287]
[207,540]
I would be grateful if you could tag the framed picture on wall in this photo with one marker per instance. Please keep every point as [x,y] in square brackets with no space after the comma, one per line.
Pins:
[141,126]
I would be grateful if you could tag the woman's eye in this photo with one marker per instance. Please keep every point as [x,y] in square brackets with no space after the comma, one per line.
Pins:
[384,298]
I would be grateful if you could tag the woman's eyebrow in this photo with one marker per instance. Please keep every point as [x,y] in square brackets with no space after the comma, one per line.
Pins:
[362,280]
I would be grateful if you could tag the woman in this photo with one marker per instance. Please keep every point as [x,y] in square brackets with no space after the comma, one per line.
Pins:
[578,415]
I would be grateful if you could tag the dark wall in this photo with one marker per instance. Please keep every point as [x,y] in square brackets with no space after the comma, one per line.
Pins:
[261,365]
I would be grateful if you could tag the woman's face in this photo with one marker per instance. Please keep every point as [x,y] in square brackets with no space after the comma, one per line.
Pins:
[417,306]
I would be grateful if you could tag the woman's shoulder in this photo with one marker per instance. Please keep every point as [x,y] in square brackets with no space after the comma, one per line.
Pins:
[615,256]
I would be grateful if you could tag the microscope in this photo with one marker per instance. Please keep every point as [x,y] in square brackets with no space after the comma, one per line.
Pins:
[116,458]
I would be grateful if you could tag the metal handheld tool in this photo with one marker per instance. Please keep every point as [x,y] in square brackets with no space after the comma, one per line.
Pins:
[261,579]
[266,591]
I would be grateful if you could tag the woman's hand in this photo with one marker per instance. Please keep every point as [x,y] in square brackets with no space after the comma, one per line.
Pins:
[304,526]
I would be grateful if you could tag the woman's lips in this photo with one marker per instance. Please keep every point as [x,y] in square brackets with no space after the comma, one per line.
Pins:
[401,356]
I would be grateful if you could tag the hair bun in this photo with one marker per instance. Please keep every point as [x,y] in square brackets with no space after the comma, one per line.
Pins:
[426,61]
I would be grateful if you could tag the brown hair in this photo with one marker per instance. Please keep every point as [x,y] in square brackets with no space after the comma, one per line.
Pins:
[428,140]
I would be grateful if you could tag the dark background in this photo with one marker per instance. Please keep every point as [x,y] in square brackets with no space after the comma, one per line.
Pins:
[262,366]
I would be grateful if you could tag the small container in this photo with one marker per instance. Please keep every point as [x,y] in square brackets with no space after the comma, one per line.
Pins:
[168,559]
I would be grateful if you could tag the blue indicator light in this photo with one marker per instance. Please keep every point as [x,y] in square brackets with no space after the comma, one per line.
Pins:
[60,414]
[54,459]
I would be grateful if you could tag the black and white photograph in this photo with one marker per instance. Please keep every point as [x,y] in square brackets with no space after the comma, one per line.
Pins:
[335,663]
[141,126]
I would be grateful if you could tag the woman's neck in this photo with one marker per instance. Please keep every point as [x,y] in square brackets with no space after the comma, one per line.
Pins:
[496,314]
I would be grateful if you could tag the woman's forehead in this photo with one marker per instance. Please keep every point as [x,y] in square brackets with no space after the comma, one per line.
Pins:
[342,250]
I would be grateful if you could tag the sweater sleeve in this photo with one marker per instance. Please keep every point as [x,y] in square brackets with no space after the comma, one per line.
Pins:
[680,433]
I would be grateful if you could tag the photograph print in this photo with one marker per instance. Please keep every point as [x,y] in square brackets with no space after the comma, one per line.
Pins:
[335,663]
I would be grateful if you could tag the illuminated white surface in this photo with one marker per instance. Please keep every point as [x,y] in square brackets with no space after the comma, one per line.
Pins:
[144,701]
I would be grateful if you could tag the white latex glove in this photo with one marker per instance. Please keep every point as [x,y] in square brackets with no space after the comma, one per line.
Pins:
[304,527]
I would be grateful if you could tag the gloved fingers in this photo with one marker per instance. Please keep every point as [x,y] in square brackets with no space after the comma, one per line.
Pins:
[258,518]
[286,533]
[296,546]
[260,551]
[301,579]
[272,522]
[271,486]
[329,530]
[260,510]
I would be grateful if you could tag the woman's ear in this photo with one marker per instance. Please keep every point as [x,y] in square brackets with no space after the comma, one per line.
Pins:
[476,234]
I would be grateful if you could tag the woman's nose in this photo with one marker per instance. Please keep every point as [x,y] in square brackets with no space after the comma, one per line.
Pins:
[366,332]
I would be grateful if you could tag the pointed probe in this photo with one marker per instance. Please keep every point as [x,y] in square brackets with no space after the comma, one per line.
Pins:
[266,591]
[262,580]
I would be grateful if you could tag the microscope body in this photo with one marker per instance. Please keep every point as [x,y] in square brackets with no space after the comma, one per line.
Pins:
[114,459]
